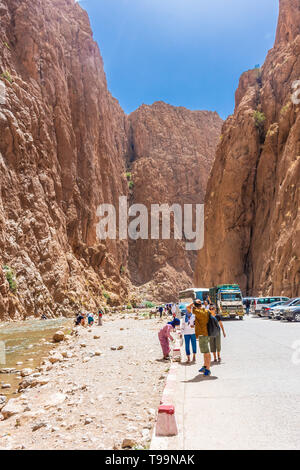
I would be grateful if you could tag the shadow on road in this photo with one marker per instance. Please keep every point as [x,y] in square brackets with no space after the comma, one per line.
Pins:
[200,378]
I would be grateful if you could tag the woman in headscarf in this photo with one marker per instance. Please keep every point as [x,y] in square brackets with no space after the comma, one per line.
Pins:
[188,331]
[165,336]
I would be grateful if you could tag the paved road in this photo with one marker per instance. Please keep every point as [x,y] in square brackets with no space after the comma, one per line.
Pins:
[252,400]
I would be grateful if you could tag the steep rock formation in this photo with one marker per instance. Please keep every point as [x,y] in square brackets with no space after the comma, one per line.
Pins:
[252,205]
[172,152]
[62,144]
[65,146]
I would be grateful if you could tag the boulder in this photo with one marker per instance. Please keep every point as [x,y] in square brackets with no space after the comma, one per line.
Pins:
[5,386]
[27,382]
[56,357]
[128,443]
[58,336]
[26,372]
[54,400]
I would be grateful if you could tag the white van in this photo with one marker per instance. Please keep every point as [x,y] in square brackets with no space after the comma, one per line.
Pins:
[261,302]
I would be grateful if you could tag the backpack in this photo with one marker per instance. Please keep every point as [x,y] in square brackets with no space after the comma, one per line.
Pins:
[213,327]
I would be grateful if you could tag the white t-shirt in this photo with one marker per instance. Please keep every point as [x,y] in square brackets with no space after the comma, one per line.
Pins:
[188,328]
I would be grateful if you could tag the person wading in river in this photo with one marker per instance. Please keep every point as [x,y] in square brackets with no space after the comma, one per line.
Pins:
[201,332]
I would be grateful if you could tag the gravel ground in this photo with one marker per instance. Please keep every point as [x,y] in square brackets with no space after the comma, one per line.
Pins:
[94,401]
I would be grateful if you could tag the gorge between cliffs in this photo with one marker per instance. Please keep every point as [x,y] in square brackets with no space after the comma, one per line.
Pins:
[66,146]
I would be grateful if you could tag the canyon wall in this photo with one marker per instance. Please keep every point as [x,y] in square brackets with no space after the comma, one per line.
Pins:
[65,148]
[172,152]
[252,224]
[62,146]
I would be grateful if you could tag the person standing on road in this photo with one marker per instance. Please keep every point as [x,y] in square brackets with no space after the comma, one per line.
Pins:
[160,309]
[215,341]
[248,305]
[178,312]
[173,310]
[100,317]
[188,331]
[201,321]
[206,305]
[165,336]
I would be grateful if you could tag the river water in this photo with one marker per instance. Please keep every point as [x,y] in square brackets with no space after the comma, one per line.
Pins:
[26,342]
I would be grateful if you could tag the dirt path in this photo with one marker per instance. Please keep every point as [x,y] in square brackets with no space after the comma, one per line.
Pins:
[96,398]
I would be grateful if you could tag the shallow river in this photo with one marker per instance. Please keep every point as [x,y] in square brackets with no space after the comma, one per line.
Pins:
[27,343]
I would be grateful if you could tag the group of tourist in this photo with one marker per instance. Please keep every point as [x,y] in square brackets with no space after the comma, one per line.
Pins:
[200,321]
[169,309]
[88,318]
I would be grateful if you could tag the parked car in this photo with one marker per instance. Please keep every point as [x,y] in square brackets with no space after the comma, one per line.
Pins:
[266,302]
[277,312]
[267,310]
[291,313]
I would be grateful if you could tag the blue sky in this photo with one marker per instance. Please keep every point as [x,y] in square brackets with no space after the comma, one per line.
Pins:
[186,52]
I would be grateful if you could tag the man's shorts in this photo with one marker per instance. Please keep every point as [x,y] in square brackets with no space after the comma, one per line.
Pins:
[204,344]
[215,343]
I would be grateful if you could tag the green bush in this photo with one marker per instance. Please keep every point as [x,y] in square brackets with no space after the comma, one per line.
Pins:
[10,277]
[129,306]
[149,304]
[259,119]
[106,295]
[128,176]
[7,76]
[285,109]
[130,184]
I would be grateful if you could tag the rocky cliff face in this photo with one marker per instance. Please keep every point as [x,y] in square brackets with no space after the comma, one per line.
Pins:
[65,147]
[172,152]
[252,205]
[62,146]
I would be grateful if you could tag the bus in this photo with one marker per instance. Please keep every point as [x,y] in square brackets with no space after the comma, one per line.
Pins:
[189,295]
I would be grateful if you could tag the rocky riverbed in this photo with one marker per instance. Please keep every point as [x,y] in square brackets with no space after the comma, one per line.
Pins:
[98,389]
